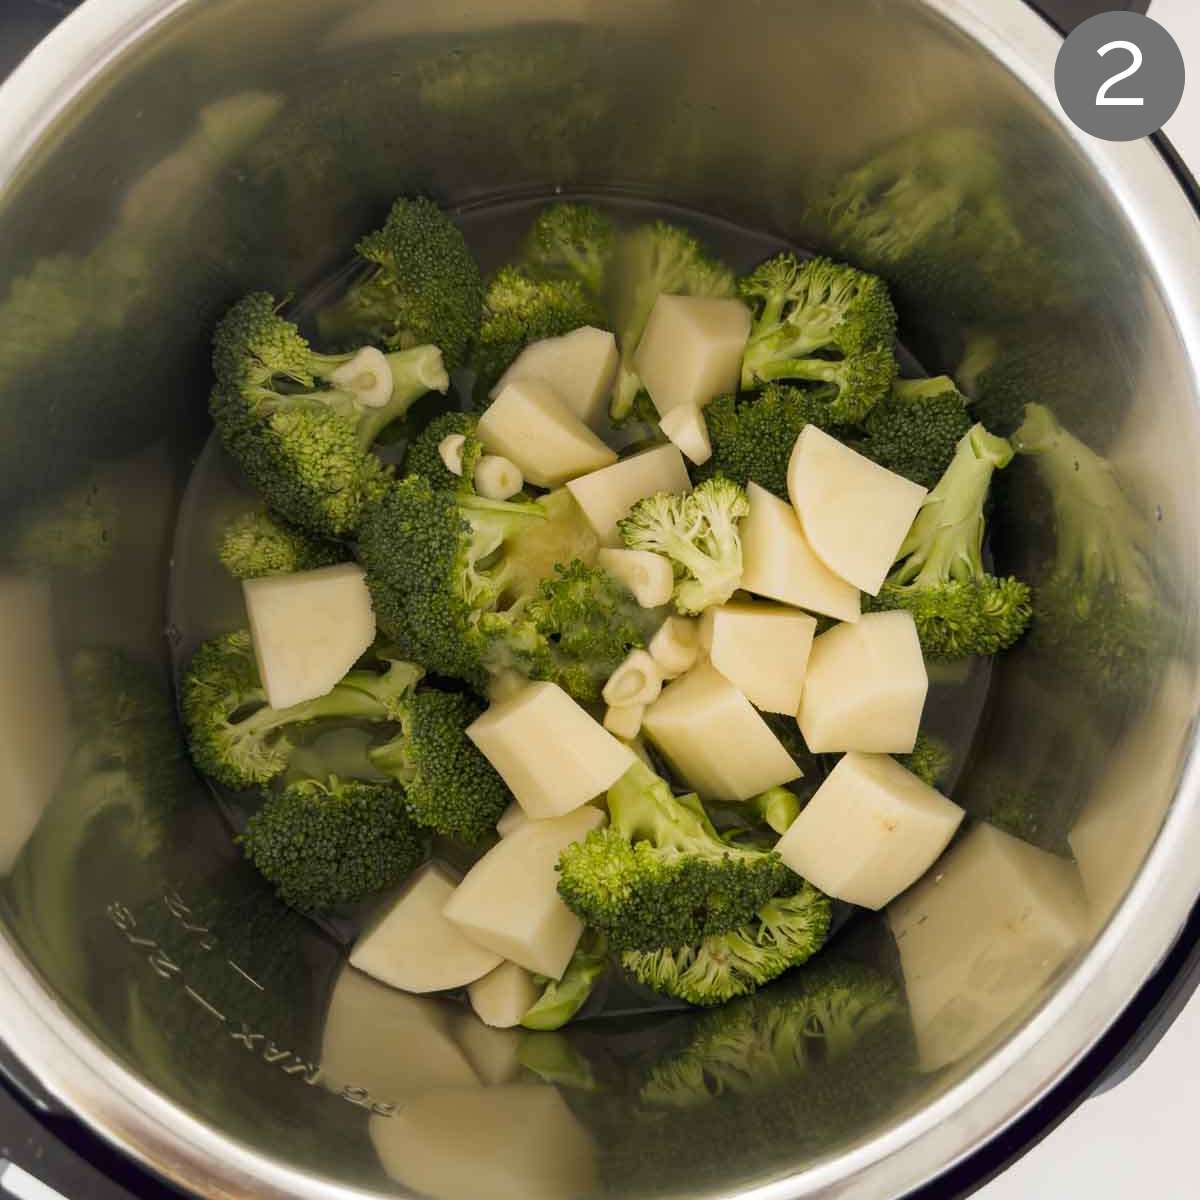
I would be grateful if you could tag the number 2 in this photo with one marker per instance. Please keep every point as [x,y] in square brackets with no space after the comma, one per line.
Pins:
[1102,96]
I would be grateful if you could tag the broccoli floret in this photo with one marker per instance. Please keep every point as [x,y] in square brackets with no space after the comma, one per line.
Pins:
[916,430]
[449,786]
[304,443]
[74,531]
[1098,611]
[468,586]
[571,241]
[930,759]
[324,844]
[783,933]
[562,998]
[958,607]
[777,808]
[659,874]
[824,322]
[260,543]
[238,739]
[424,458]
[519,309]
[422,287]
[698,532]
[653,260]
[753,436]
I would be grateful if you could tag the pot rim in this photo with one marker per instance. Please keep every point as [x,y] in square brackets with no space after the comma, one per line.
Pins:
[76,1070]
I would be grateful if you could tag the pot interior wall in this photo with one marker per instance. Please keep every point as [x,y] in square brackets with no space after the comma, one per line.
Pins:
[247,143]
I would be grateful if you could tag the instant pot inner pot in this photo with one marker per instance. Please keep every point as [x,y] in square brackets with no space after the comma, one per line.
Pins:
[247,145]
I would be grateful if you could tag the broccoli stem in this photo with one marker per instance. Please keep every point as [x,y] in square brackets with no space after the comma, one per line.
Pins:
[563,998]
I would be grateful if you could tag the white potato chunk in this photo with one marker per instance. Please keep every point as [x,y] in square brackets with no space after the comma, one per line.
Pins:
[625,721]
[606,496]
[308,629]
[871,830]
[715,740]
[519,1141]
[762,649]
[691,351]
[635,683]
[494,1054]
[580,366]
[497,477]
[508,901]
[686,428]
[866,687]
[410,945]
[387,1047]
[511,819]
[676,646]
[854,512]
[551,753]
[647,575]
[503,996]
[981,937]
[35,729]
[529,424]
[778,562]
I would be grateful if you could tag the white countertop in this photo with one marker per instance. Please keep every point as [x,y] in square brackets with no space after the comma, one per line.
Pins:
[1140,1138]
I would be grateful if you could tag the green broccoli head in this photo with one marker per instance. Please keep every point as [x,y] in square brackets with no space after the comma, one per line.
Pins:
[959,608]
[422,287]
[698,533]
[930,759]
[784,932]
[424,458]
[1098,612]
[449,786]
[259,543]
[823,322]
[649,261]
[328,843]
[238,739]
[519,309]
[571,241]
[301,427]
[916,430]
[753,436]
[659,874]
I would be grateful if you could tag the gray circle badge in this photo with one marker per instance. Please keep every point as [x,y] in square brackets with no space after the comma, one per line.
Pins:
[1119,76]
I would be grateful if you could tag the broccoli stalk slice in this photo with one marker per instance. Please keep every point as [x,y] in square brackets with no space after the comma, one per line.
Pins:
[562,998]
[959,608]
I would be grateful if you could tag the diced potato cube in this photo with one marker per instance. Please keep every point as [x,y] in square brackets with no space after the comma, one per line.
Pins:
[511,819]
[519,1141]
[410,945]
[714,738]
[503,996]
[551,753]
[778,562]
[508,902]
[647,575]
[676,646]
[580,366]
[606,496]
[855,513]
[494,1054]
[686,428]
[762,649]
[36,725]
[308,629]
[529,424]
[625,721]
[871,830]
[691,351]
[981,937]
[388,1047]
[636,682]
[866,687]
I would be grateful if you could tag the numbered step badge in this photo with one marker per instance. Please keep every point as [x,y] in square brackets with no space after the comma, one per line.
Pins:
[1119,76]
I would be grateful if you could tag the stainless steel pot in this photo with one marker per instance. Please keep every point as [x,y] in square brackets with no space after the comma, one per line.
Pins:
[157,157]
